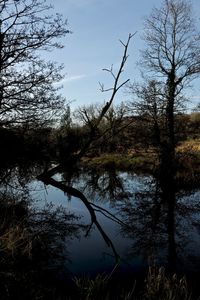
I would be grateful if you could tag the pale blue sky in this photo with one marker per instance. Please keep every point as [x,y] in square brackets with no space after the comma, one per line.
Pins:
[97,26]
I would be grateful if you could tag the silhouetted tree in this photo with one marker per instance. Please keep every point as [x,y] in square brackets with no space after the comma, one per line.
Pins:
[27,89]
[110,132]
[117,85]
[148,104]
[172,56]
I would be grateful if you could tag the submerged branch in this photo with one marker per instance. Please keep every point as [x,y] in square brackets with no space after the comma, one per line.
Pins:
[76,193]
[108,215]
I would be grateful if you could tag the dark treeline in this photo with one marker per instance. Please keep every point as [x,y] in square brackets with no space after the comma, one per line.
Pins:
[117,135]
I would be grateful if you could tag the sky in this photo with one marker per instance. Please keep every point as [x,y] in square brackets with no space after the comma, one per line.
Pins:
[97,26]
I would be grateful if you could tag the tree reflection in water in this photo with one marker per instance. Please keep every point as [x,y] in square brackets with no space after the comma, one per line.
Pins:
[163,224]
[33,242]
[96,184]
[46,178]
[162,227]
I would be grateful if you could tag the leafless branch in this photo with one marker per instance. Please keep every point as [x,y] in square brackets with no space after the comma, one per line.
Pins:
[76,193]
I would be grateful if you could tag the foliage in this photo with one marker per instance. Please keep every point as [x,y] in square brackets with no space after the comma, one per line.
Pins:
[33,143]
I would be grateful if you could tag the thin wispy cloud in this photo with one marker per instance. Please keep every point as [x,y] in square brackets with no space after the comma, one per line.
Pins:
[72,78]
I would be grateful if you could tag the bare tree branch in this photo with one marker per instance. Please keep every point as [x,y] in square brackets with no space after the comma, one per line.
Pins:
[76,193]
[114,89]
[27,82]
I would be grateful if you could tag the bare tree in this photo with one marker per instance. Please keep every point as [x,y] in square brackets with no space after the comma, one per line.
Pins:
[172,56]
[172,52]
[92,138]
[27,90]
[110,129]
[117,85]
[148,104]
[87,115]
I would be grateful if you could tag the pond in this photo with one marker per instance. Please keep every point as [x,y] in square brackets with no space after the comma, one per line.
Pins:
[119,222]
[142,229]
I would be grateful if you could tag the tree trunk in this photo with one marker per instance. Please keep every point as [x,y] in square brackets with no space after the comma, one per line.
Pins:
[167,157]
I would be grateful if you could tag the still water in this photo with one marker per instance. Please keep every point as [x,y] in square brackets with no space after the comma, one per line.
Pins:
[140,228]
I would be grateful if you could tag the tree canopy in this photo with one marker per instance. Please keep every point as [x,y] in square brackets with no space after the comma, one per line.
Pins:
[27,80]
[171,58]
[172,42]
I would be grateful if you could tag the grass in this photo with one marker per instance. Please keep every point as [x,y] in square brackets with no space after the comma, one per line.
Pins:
[156,286]
[32,249]
[189,146]
[139,163]
[159,286]
[187,163]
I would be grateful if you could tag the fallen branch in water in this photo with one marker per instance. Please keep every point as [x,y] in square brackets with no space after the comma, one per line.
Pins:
[76,193]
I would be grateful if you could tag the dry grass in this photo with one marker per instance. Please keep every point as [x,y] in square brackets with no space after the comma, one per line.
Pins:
[157,286]
[190,146]
[16,239]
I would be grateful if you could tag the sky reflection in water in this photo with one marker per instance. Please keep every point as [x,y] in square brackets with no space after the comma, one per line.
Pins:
[137,201]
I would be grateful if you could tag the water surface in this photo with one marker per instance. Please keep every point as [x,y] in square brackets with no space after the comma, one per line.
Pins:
[149,232]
